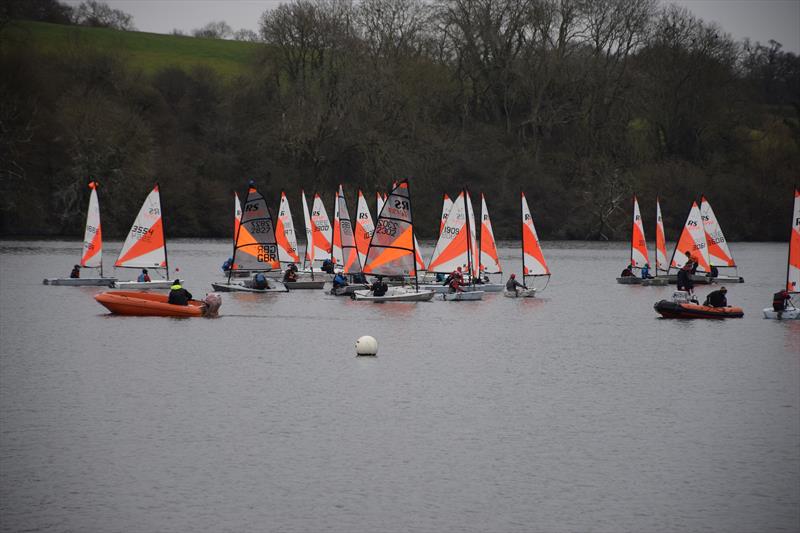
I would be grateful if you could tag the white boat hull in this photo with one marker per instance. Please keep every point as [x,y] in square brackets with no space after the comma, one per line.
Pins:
[157,284]
[304,284]
[466,296]
[520,293]
[80,282]
[224,286]
[395,294]
[793,313]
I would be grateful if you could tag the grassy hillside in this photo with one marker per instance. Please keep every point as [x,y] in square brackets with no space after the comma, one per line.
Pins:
[148,51]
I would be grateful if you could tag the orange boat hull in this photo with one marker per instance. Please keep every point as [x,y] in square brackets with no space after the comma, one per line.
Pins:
[134,303]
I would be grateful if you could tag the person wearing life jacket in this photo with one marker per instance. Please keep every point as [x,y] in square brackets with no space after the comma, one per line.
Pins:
[646,271]
[178,295]
[260,281]
[456,280]
[685,282]
[780,300]
[379,287]
[717,298]
[226,266]
[144,276]
[76,272]
[339,280]
[290,276]
[627,272]
[327,266]
[512,284]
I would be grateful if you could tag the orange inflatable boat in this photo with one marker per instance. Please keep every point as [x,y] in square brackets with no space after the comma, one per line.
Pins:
[136,303]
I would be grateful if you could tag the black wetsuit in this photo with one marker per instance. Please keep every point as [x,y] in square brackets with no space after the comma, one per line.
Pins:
[716,299]
[179,296]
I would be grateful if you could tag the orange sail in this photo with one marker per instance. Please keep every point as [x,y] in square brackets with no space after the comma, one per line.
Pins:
[639,255]
[345,252]
[718,252]
[321,230]
[533,263]
[793,272]
[693,241]
[144,246]
[490,263]
[661,242]
[447,205]
[391,250]
[256,246]
[284,233]
[364,227]
[92,256]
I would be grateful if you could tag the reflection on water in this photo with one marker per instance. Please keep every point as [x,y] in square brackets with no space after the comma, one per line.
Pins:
[577,410]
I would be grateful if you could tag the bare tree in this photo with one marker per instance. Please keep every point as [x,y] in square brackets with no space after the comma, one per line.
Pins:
[99,14]
[214,30]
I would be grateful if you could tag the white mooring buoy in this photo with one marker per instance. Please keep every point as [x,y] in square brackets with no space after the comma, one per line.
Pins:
[366,345]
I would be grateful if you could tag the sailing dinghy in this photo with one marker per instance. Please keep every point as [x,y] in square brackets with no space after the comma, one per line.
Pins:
[533,263]
[256,248]
[146,245]
[692,242]
[465,246]
[345,250]
[661,252]
[392,249]
[92,255]
[638,247]
[792,268]
[719,255]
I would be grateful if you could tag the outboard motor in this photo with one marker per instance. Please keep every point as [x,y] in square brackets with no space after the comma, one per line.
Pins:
[680,297]
[213,301]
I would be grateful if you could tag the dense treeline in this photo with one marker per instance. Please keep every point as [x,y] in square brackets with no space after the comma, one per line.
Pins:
[579,103]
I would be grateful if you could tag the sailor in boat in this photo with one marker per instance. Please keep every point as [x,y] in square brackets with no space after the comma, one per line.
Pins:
[512,285]
[327,266]
[144,276]
[717,298]
[226,266]
[379,287]
[627,272]
[290,276]
[780,301]
[260,281]
[646,271]
[713,272]
[178,295]
[76,272]
[339,280]
[685,282]
[690,260]
[456,281]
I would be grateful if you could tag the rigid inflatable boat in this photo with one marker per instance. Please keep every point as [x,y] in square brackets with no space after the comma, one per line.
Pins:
[134,303]
[669,309]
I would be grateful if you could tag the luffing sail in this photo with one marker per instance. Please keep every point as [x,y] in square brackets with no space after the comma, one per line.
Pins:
[719,254]
[639,255]
[92,256]
[144,246]
[533,263]
[391,250]
[662,264]
[345,253]
[490,263]
[256,246]
[692,240]
[364,228]
[285,234]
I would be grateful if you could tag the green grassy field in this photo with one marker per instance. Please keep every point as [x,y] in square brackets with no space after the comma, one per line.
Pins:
[147,51]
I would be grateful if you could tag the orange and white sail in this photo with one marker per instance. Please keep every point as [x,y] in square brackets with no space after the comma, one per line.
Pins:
[321,230]
[364,227]
[391,250]
[533,263]
[490,262]
[237,215]
[309,258]
[473,257]
[256,247]
[380,200]
[92,256]
[662,264]
[447,205]
[692,240]
[345,252]
[451,249]
[793,270]
[639,255]
[285,234]
[144,246]
[719,254]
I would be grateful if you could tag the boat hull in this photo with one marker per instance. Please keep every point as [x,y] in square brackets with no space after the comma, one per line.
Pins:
[223,286]
[655,282]
[132,303]
[728,279]
[629,280]
[80,282]
[157,284]
[669,309]
[467,296]
[304,285]
[697,280]
[521,293]
[793,313]
[394,294]
[348,290]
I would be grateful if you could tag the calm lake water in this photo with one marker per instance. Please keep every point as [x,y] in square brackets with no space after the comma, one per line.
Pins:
[579,410]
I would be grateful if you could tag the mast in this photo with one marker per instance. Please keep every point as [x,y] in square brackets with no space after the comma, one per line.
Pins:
[656,234]
[633,227]
[469,238]
[522,235]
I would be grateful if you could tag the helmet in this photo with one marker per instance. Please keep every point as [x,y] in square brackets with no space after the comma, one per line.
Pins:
[513,276]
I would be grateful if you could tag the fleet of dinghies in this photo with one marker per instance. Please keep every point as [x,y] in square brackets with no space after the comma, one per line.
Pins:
[387,250]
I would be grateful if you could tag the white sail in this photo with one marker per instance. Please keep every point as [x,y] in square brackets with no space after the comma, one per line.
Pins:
[473,259]
[719,254]
[490,262]
[638,242]
[380,201]
[92,256]
[309,259]
[322,230]
[345,253]
[447,205]
[144,246]
[533,263]
[692,240]
[451,248]
[237,215]
[364,228]
[661,242]
[285,234]
[793,270]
